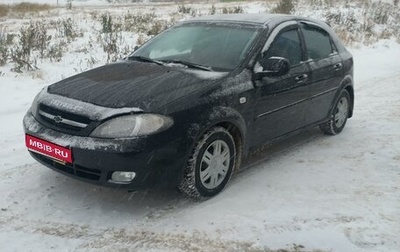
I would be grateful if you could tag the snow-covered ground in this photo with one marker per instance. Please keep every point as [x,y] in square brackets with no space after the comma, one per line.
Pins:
[309,193]
[58,2]
[102,2]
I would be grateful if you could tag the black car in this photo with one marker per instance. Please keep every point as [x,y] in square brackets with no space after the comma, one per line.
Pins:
[185,108]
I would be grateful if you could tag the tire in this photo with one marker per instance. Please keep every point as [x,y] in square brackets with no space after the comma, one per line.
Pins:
[339,115]
[210,166]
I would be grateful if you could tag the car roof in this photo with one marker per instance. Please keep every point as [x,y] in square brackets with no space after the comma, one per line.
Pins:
[256,19]
[264,20]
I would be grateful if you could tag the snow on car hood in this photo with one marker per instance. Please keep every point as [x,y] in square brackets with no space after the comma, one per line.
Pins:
[133,84]
[89,110]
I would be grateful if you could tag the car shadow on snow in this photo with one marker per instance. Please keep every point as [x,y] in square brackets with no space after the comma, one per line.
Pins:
[69,195]
[279,148]
[258,157]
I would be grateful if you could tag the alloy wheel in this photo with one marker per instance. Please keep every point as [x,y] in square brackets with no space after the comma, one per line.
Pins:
[342,111]
[215,164]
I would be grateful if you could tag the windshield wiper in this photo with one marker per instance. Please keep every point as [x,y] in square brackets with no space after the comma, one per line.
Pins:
[145,59]
[189,64]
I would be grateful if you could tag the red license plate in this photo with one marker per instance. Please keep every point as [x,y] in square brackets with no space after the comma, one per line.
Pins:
[48,149]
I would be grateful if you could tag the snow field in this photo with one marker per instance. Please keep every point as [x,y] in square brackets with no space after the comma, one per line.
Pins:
[309,193]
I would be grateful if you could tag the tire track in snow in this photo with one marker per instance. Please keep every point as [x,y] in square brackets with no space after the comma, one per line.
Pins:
[19,170]
[121,239]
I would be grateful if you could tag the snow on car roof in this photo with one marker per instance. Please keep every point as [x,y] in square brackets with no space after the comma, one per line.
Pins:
[247,18]
[257,19]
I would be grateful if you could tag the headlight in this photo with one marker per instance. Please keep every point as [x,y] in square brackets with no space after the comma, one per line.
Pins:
[132,125]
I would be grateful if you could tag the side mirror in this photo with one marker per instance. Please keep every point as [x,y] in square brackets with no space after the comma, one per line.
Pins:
[273,67]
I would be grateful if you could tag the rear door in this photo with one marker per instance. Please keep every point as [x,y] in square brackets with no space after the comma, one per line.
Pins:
[326,70]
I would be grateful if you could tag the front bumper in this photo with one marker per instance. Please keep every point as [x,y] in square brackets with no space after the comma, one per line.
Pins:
[156,160]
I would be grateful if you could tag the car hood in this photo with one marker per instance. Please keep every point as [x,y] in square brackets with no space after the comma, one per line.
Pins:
[143,85]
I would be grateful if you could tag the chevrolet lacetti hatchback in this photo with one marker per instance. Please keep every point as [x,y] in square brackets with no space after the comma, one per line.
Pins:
[187,106]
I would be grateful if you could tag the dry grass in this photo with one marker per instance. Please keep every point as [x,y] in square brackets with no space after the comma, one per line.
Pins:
[23,8]
[30,7]
[4,10]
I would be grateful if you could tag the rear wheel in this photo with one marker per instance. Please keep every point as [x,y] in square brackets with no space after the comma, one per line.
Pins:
[210,166]
[339,115]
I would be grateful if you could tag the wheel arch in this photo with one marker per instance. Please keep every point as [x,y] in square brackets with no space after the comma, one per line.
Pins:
[238,139]
[350,90]
[231,120]
[346,84]
[222,119]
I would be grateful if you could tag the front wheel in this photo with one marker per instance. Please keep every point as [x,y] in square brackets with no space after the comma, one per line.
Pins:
[210,166]
[339,115]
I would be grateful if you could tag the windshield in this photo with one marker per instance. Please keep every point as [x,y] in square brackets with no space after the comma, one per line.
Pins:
[219,47]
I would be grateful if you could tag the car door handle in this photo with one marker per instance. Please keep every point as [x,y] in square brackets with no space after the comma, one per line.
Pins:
[301,78]
[337,66]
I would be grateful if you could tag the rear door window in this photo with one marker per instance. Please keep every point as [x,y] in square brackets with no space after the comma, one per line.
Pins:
[318,43]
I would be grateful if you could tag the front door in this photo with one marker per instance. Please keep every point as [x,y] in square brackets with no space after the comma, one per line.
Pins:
[282,101]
